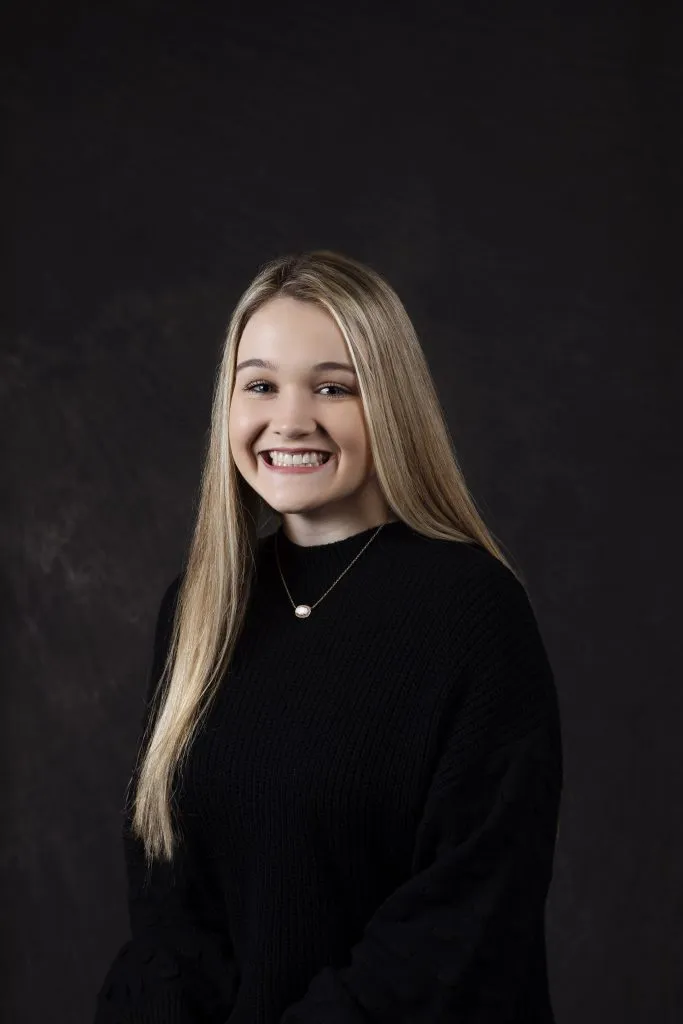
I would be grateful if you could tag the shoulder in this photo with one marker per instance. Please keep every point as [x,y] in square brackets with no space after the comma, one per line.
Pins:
[163,630]
[465,574]
[484,609]
[501,678]
[167,606]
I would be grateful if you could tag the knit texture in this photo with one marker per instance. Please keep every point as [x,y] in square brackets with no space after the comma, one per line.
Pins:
[370,809]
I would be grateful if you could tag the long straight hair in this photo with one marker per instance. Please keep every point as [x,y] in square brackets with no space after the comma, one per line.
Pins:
[417,471]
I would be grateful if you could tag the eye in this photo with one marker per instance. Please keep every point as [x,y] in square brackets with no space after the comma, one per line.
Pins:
[261,383]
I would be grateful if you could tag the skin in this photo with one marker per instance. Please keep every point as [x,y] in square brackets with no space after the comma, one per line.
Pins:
[298,406]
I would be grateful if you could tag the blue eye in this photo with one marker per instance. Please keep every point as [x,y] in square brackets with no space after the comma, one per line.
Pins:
[260,383]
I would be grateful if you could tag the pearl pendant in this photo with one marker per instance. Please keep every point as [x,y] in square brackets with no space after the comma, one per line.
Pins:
[302,611]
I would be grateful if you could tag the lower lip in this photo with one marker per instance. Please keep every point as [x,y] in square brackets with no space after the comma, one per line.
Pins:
[305,470]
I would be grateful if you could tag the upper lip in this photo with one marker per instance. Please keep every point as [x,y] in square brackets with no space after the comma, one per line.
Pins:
[293,451]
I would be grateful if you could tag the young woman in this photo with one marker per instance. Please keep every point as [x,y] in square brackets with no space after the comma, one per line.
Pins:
[346,802]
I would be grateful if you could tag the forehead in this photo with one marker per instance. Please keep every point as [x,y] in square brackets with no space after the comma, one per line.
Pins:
[285,325]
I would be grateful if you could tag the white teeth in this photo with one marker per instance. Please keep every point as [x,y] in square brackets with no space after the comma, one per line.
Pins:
[300,459]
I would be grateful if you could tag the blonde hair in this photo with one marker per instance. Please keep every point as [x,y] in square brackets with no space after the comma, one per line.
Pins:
[417,470]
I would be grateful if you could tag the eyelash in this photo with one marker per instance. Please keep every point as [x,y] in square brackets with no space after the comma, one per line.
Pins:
[256,383]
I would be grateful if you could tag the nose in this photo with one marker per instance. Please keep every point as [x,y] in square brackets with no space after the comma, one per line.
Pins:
[293,415]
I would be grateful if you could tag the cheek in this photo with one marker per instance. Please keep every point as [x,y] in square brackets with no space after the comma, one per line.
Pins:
[350,429]
[239,423]
[238,435]
[354,440]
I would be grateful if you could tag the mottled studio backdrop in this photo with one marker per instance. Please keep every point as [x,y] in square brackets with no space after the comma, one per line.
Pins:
[517,178]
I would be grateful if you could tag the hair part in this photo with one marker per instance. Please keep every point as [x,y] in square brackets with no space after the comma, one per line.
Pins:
[417,470]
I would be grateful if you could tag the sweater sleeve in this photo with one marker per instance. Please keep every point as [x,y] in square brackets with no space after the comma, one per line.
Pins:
[177,967]
[458,941]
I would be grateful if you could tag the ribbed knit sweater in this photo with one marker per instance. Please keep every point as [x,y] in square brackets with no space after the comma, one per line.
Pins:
[369,811]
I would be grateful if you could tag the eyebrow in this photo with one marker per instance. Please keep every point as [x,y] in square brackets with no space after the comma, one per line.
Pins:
[266,364]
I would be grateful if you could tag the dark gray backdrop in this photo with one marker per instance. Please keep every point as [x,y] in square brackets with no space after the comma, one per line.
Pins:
[517,178]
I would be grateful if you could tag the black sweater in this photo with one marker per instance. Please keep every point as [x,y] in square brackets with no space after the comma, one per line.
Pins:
[370,809]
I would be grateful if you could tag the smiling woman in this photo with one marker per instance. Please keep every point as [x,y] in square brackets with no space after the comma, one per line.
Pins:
[348,813]
[298,411]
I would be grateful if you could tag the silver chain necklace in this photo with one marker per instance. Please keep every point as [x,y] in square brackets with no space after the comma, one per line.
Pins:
[302,611]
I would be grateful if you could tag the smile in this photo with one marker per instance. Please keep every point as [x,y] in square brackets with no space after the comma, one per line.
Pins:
[301,469]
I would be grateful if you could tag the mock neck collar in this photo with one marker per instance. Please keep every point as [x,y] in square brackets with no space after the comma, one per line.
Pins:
[338,554]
